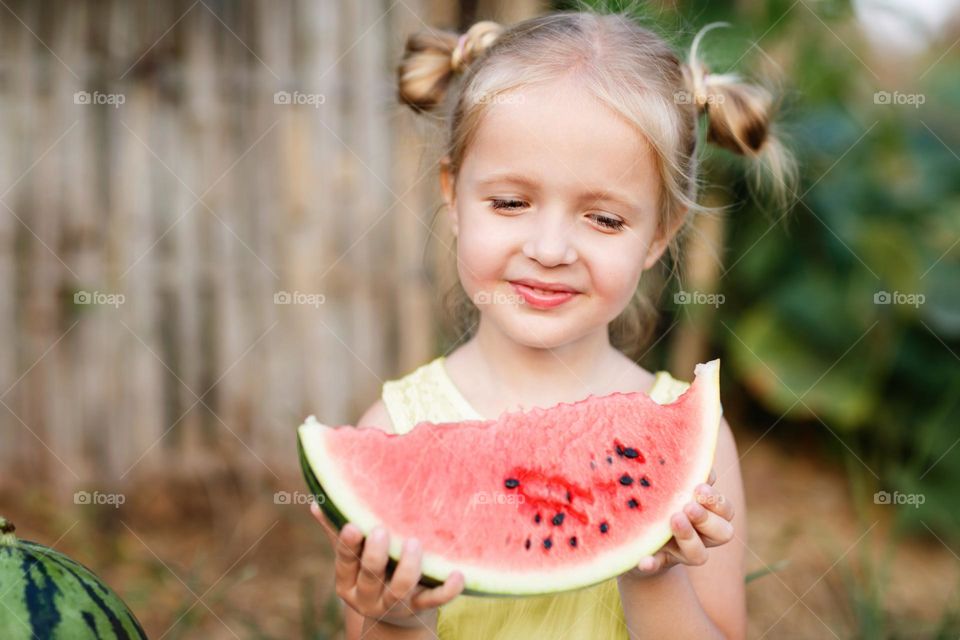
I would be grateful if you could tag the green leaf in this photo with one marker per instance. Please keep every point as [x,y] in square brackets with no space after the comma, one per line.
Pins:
[789,375]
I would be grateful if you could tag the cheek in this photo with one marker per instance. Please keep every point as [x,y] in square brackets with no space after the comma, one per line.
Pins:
[622,287]
[483,247]
[615,273]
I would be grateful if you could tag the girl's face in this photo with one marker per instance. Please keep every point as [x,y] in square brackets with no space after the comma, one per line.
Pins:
[556,188]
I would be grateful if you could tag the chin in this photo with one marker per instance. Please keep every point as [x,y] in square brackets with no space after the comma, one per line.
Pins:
[543,330]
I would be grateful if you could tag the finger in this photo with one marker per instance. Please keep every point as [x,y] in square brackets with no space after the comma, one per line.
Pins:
[348,548]
[712,529]
[714,501]
[433,598]
[406,575]
[373,564]
[652,564]
[713,476]
[328,527]
[692,550]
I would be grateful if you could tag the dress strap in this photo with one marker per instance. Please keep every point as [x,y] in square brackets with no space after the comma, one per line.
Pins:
[425,394]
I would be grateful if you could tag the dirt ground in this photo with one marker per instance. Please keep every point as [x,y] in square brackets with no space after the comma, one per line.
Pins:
[222,559]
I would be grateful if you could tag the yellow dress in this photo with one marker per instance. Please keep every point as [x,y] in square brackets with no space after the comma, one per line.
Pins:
[593,613]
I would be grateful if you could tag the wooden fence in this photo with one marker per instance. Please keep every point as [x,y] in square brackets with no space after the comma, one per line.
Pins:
[190,261]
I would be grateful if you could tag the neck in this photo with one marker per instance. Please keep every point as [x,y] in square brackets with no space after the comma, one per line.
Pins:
[567,371]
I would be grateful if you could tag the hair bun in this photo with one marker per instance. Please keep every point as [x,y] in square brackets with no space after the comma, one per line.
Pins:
[739,113]
[473,43]
[739,119]
[432,57]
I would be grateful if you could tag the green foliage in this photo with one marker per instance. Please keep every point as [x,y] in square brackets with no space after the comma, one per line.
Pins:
[844,314]
[847,314]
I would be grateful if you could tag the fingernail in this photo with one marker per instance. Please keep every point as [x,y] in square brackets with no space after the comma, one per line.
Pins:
[412,545]
[705,489]
[378,534]
[695,511]
[646,564]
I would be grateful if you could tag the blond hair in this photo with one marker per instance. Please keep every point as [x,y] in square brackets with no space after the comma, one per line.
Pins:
[632,70]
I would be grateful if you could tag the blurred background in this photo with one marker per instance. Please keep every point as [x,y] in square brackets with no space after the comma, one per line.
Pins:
[215,219]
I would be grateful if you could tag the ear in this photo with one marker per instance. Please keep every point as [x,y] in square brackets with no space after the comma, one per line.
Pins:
[448,189]
[662,240]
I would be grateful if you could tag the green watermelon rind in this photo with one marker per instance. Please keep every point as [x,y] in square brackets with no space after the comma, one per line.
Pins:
[336,517]
[496,582]
[84,593]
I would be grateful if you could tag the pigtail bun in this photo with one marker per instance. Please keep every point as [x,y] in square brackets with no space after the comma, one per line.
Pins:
[739,116]
[431,59]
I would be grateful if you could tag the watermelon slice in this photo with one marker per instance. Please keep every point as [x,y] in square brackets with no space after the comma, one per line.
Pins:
[533,502]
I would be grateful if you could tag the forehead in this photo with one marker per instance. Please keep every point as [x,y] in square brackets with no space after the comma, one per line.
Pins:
[561,135]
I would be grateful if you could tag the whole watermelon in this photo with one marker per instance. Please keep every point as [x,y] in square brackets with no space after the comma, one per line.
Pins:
[44,594]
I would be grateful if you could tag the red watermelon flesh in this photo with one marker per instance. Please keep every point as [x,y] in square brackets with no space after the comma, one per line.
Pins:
[534,502]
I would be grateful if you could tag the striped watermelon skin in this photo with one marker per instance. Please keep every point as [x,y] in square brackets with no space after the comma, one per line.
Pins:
[44,594]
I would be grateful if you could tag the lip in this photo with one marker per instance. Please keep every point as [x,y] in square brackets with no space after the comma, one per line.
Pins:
[548,286]
[541,299]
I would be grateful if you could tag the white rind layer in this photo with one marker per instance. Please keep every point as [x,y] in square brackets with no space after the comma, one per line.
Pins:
[502,580]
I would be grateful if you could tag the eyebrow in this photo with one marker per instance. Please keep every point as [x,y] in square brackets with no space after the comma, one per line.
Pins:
[591,195]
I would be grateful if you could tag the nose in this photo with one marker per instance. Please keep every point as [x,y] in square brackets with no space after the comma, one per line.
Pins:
[551,240]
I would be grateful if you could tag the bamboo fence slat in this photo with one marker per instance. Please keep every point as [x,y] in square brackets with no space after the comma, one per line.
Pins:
[199,199]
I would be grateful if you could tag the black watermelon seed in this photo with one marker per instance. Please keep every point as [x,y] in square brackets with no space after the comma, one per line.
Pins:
[526,545]
[593,465]
[547,543]
[632,503]
[630,452]
[609,460]
[536,518]
[511,483]
[662,461]
[558,519]
[620,449]
[569,497]
[644,481]
[604,527]
[626,480]
[573,541]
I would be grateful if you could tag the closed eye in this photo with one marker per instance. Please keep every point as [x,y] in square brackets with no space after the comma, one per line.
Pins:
[507,205]
[608,222]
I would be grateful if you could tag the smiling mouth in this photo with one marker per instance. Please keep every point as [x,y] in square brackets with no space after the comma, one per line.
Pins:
[542,298]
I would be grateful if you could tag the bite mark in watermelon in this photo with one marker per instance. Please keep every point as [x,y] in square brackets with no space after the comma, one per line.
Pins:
[534,502]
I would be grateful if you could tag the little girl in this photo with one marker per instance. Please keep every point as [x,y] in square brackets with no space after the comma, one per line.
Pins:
[569,169]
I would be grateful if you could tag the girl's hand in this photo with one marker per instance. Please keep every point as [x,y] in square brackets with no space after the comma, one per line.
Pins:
[361,577]
[704,522]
